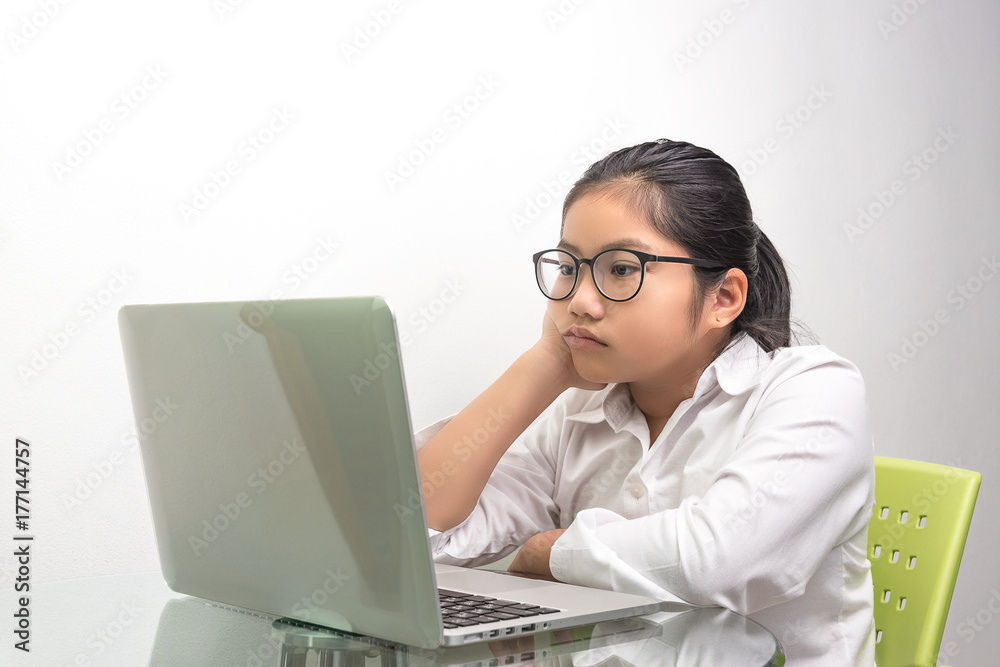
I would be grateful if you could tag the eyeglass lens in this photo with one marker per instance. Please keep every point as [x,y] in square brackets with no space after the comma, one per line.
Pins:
[617,273]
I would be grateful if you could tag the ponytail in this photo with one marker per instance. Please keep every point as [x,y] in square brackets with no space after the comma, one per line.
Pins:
[766,317]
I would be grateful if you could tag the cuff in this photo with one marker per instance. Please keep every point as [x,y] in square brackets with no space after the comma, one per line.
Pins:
[580,557]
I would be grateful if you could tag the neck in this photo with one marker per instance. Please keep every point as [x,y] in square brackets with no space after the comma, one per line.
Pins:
[658,398]
[659,403]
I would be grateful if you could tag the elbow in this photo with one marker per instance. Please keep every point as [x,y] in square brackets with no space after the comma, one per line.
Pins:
[711,575]
[442,519]
[744,592]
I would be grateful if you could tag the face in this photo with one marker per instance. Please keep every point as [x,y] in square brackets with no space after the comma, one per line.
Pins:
[649,339]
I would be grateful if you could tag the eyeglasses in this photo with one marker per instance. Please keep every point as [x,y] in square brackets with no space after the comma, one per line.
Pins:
[618,273]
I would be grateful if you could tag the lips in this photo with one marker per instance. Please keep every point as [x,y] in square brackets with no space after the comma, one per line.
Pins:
[581,337]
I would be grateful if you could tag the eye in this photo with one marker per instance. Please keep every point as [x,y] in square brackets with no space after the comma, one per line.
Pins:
[623,269]
[566,269]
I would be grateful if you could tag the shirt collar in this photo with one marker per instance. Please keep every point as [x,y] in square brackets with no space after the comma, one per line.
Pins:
[736,371]
[612,404]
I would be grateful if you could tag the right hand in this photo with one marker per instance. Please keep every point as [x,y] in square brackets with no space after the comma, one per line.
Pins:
[553,344]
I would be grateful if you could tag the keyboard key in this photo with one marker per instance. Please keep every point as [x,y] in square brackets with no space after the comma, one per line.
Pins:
[517,612]
[464,609]
[503,616]
[488,618]
[467,615]
[453,594]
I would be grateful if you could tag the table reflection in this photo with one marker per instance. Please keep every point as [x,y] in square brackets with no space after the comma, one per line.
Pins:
[134,619]
[195,632]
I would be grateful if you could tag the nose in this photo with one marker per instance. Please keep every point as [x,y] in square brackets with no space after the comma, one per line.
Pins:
[586,299]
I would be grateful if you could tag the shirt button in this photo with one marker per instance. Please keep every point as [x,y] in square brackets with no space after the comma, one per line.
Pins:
[638,491]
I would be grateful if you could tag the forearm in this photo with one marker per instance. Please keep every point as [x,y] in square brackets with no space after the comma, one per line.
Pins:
[533,558]
[458,461]
[754,538]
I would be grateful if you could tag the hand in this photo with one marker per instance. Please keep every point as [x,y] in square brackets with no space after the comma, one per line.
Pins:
[533,558]
[553,343]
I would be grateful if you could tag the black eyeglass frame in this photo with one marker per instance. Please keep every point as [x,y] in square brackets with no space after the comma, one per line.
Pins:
[644,258]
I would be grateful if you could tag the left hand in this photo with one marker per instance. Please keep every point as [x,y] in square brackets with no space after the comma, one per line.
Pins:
[533,558]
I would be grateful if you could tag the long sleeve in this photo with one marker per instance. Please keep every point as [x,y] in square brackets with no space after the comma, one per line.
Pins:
[516,503]
[798,484]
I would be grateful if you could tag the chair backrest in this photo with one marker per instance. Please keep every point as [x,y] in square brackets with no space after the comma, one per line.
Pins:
[915,542]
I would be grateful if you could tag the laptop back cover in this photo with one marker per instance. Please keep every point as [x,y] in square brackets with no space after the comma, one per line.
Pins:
[284,479]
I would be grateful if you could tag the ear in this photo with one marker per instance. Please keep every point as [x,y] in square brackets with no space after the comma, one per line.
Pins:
[728,301]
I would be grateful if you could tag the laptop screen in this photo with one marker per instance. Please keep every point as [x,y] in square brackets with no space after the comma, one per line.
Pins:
[285,479]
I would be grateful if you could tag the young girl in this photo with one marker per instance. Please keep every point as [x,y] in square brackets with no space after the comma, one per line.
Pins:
[662,437]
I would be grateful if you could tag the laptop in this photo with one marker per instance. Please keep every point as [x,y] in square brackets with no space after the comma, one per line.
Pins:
[281,472]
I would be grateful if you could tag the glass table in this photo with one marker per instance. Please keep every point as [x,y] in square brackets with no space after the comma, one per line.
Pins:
[134,619]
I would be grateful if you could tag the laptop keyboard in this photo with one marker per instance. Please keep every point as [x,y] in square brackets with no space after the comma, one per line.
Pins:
[459,610]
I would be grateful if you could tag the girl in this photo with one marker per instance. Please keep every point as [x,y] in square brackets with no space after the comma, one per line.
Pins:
[662,437]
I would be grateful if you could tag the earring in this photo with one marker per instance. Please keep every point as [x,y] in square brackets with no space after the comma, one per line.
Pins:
[717,319]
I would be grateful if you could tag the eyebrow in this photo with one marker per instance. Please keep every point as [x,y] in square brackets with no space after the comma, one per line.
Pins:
[627,243]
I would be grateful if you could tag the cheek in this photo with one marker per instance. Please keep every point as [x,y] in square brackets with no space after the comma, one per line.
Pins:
[662,324]
[649,339]
[555,309]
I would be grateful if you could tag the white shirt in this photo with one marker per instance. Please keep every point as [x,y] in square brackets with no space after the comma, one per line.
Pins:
[755,496]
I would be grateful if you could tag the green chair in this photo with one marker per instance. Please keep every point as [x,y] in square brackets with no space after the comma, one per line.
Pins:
[915,539]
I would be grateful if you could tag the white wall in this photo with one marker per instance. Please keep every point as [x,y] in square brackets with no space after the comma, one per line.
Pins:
[822,106]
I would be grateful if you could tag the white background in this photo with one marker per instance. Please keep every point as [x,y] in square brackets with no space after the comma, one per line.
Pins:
[116,115]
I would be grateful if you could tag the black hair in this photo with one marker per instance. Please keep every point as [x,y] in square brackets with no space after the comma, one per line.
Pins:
[696,199]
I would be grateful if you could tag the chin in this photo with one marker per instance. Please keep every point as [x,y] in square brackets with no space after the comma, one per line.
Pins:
[600,375]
